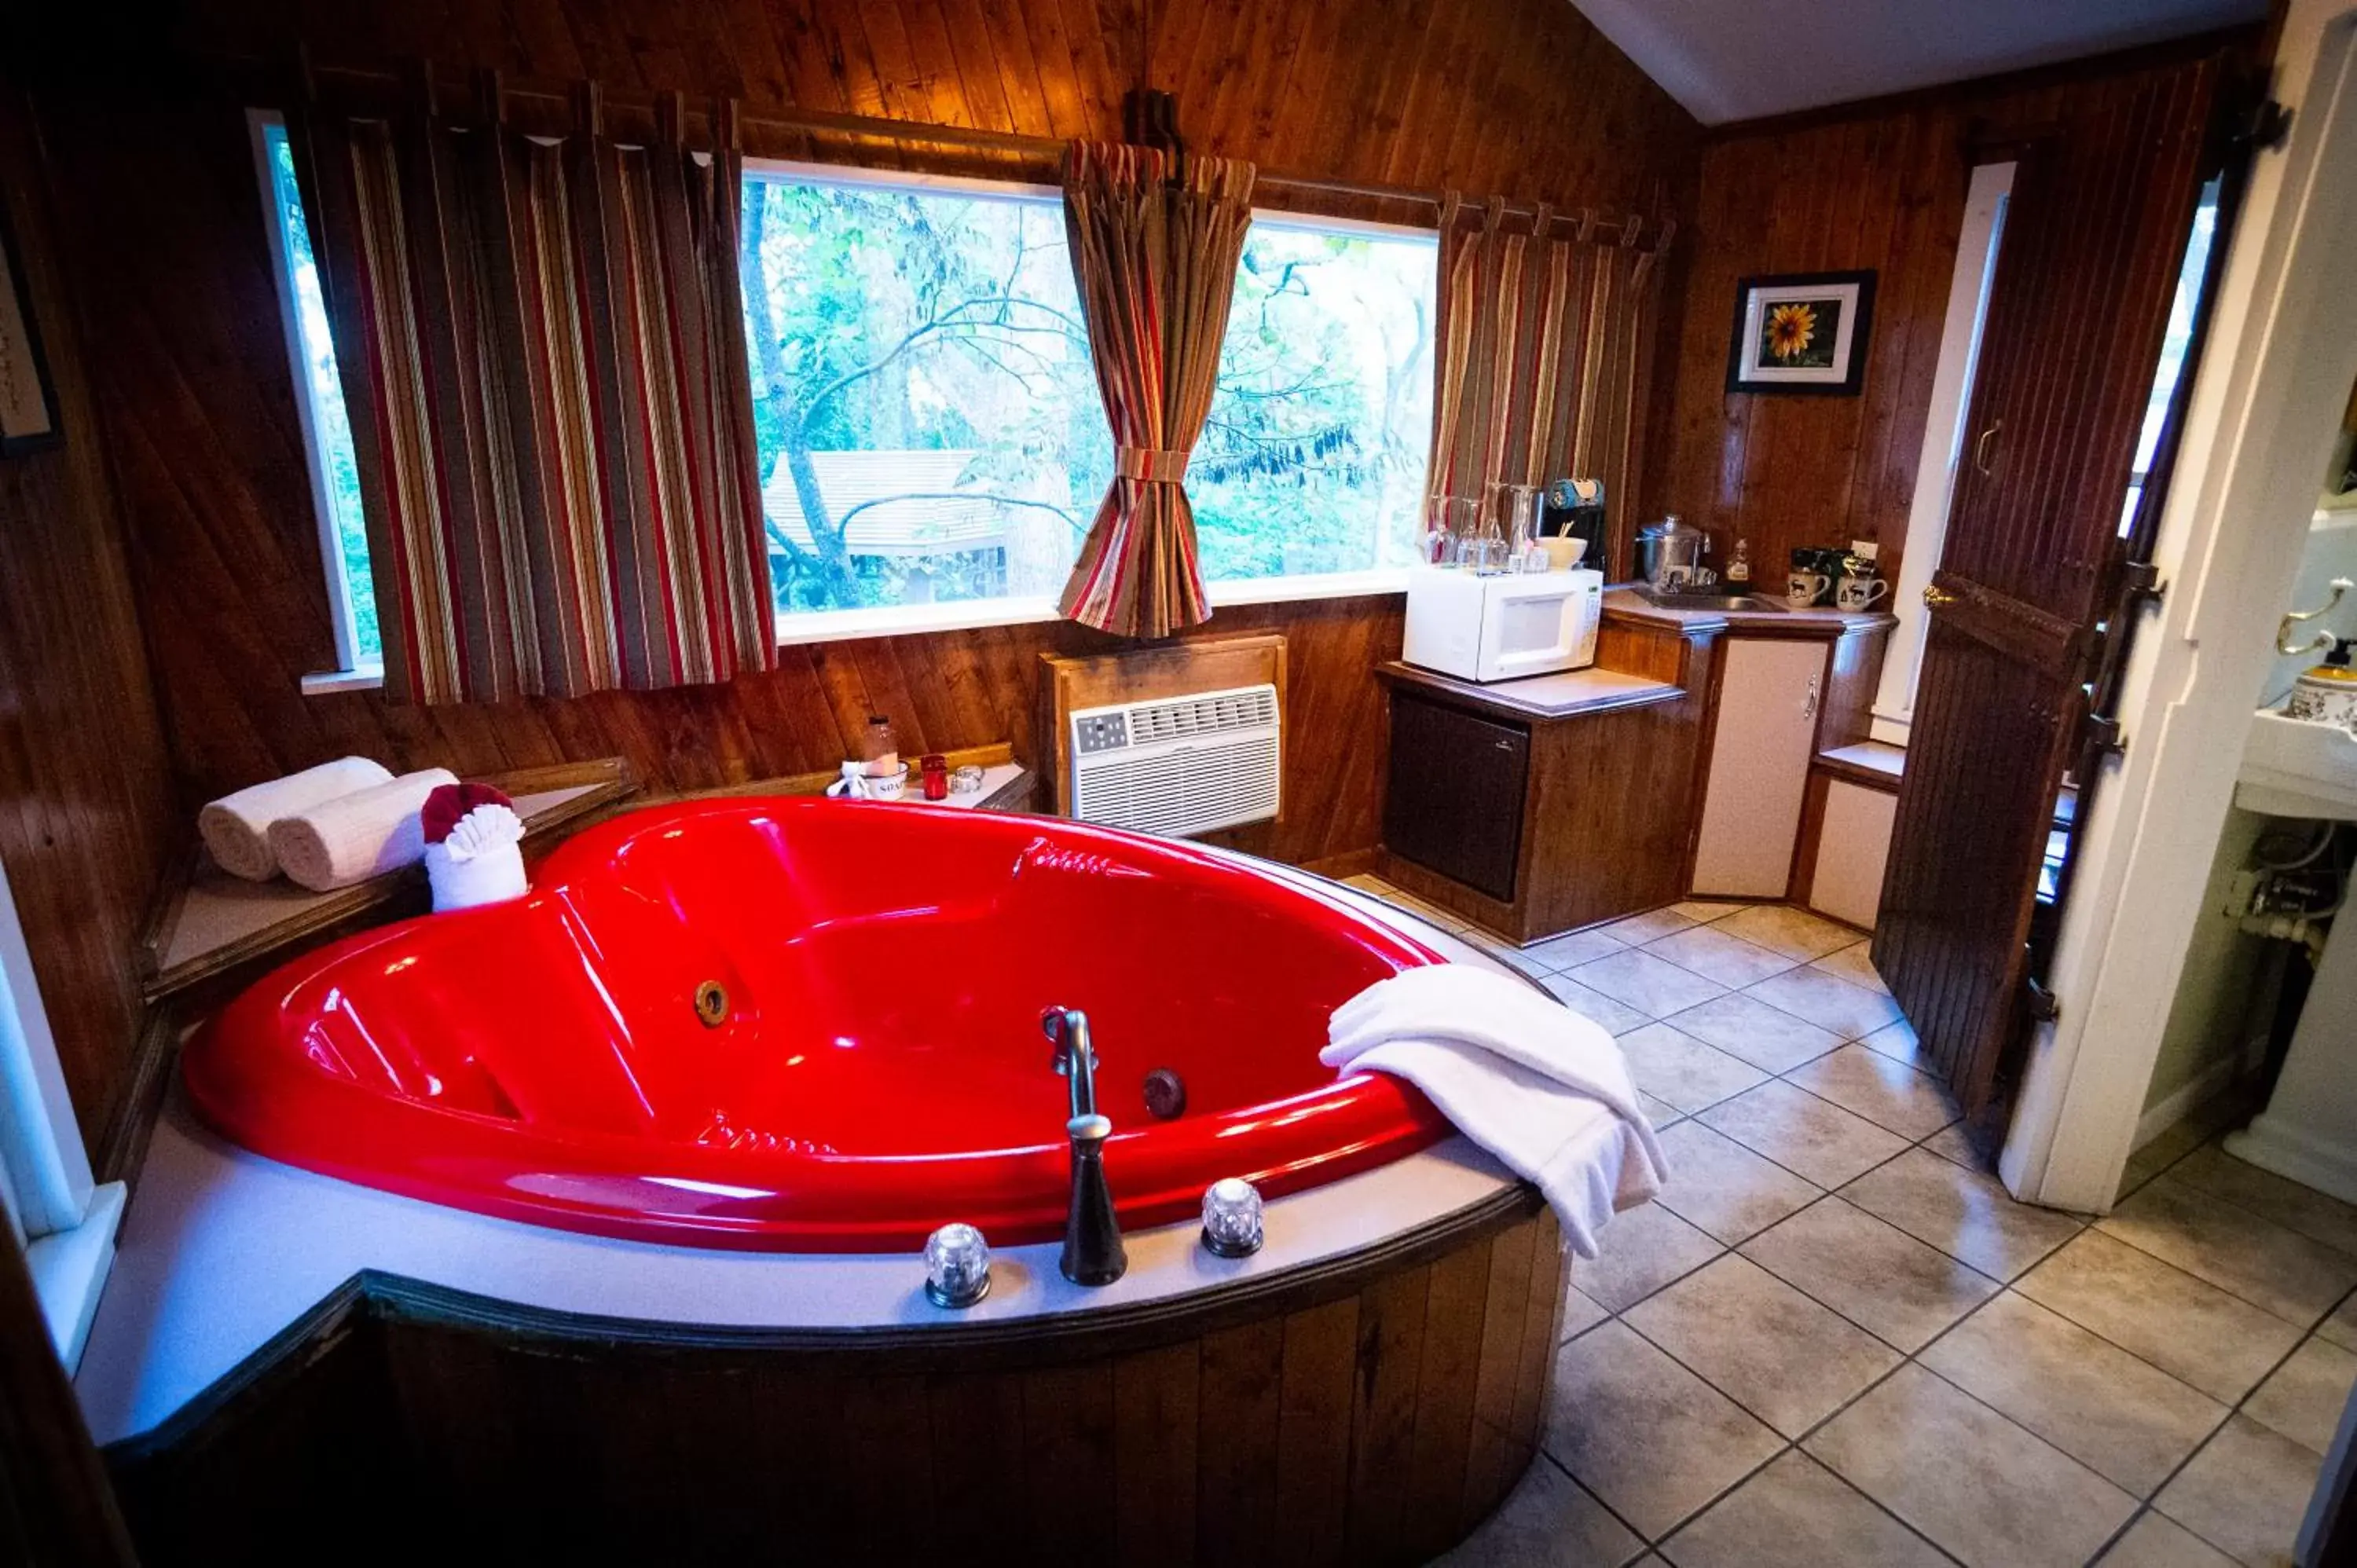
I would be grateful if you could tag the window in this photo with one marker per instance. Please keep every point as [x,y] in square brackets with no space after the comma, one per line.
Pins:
[319,401]
[1313,459]
[2173,345]
[933,447]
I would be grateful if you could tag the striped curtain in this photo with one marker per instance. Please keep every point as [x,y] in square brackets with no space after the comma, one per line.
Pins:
[1154,252]
[540,346]
[1540,341]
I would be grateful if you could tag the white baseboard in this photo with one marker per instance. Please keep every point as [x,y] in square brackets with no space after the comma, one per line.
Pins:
[2205,1085]
[69,1268]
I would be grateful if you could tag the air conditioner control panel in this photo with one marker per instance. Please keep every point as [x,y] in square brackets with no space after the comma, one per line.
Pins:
[1100,732]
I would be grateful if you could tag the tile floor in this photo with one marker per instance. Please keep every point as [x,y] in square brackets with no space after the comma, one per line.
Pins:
[1835,1340]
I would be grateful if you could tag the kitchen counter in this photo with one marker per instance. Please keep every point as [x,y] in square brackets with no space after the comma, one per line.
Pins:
[1558,696]
[1625,605]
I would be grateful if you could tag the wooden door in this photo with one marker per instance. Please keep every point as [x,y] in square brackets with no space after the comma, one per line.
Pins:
[1768,694]
[2102,203]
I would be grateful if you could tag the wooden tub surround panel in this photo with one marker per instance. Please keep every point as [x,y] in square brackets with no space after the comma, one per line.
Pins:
[1372,1408]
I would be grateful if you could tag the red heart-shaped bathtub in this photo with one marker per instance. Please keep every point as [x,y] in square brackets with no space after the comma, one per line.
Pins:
[813,1025]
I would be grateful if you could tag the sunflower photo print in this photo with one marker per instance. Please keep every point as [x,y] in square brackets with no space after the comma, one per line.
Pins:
[1800,333]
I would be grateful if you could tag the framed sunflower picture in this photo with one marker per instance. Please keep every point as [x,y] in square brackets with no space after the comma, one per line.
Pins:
[1802,332]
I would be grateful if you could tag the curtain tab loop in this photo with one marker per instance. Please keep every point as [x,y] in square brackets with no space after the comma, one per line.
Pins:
[1150,465]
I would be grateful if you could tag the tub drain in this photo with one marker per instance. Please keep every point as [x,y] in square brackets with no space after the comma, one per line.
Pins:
[1165,1094]
[712,1003]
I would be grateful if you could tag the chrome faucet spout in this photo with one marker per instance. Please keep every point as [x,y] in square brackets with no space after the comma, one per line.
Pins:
[1093,1254]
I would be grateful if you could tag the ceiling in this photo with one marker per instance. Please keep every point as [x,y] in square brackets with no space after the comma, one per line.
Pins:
[1742,59]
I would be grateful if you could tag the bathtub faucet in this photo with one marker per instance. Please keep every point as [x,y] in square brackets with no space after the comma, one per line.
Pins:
[1092,1250]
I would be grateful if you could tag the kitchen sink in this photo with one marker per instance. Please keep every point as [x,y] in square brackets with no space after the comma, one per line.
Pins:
[1708,601]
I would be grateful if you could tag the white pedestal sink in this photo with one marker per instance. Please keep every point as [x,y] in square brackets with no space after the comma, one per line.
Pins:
[2309,1132]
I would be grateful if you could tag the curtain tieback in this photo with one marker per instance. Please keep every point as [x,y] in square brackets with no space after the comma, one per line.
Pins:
[1149,464]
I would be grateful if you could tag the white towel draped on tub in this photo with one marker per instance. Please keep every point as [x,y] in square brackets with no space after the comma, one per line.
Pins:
[236,828]
[1520,1074]
[354,837]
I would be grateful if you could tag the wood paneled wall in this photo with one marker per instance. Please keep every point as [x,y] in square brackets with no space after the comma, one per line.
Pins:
[1517,96]
[1882,185]
[85,793]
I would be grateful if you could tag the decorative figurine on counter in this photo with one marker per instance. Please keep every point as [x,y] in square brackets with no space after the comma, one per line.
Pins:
[1738,569]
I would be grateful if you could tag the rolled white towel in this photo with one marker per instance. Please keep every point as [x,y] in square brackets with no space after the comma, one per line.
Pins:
[236,828]
[480,862]
[355,837]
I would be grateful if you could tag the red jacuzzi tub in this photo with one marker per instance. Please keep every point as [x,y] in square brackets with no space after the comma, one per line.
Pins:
[881,1068]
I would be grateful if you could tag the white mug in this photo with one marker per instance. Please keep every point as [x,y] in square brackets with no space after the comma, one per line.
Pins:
[1860,593]
[1805,589]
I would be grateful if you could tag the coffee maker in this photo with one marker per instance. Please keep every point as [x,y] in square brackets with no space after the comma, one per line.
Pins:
[1574,507]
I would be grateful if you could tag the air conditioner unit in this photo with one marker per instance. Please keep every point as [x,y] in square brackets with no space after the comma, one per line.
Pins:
[1177,765]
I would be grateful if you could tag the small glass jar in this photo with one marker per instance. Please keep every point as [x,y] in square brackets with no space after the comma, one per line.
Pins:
[936,769]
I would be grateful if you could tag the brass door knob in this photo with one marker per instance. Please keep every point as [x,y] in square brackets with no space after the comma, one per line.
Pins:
[1937,597]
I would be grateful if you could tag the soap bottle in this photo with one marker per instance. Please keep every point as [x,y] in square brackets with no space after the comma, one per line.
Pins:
[1738,570]
[880,754]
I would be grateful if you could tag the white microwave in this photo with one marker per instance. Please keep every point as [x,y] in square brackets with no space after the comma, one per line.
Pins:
[1504,626]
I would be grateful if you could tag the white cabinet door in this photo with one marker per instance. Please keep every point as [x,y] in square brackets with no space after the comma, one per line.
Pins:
[1768,695]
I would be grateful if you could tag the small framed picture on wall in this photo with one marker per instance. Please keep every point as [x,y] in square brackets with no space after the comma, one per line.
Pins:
[1802,332]
[29,406]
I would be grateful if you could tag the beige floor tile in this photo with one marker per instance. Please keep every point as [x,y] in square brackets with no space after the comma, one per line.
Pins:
[1702,911]
[2245,1493]
[2126,1419]
[2341,1326]
[1572,949]
[1546,1521]
[1897,1039]
[1673,1066]
[2314,1215]
[1647,1436]
[2233,1249]
[2162,1150]
[1756,1340]
[1804,1134]
[1654,986]
[1952,1144]
[1798,1514]
[1887,1092]
[2157,1542]
[1793,932]
[1965,1213]
[1617,1017]
[2303,1398]
[2219,1343]
[1520,959]
[1713,954]
[1719,1187]
[1639,929]
[1983,1488]
[1851,1011]
[1767,1037]
[1581,1312]
[1641,1251]
[1884,1281]
[1853,964]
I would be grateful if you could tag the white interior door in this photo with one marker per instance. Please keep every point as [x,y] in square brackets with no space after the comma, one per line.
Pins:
[1766,733]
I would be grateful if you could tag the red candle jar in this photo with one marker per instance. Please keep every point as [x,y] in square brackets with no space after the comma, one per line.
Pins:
[937,776]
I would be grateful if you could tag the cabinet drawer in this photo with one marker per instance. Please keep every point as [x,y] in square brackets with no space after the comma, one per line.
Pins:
[1455,802]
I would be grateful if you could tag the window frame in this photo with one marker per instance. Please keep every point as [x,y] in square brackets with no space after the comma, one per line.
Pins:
[351,669]
[802,628]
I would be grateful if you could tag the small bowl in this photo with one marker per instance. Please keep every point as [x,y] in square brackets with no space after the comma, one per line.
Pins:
[1563,552]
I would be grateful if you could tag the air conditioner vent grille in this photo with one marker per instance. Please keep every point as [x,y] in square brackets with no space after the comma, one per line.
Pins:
[1209,713]
[1178,765]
